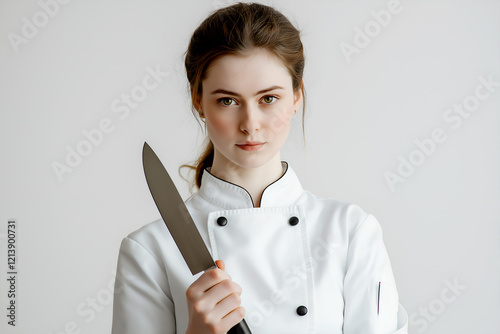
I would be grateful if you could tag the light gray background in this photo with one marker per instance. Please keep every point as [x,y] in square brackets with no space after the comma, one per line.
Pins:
[440,225]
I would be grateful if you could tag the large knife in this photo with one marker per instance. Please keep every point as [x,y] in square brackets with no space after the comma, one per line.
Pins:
[178,220]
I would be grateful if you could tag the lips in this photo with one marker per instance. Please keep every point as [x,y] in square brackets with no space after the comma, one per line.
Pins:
[251,145]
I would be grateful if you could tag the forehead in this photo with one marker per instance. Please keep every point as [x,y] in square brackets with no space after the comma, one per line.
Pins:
[250,72]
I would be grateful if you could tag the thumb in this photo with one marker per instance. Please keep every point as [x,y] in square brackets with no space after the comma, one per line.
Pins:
[220,264]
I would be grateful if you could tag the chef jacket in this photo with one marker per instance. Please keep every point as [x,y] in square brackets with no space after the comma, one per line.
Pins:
[306,264]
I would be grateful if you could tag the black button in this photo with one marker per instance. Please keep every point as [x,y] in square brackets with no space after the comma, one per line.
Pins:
[222,221]
[301,310]
[293,221]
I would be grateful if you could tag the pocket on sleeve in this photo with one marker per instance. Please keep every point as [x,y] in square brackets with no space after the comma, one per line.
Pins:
[387,308]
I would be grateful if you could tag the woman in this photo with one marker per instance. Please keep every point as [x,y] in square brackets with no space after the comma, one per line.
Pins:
[296,263]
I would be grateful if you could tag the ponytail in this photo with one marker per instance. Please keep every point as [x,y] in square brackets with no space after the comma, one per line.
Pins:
[205,160]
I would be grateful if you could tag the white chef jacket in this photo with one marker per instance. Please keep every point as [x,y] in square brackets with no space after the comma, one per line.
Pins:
[297,253]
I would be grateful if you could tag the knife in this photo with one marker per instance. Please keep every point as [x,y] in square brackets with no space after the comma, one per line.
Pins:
[178,220]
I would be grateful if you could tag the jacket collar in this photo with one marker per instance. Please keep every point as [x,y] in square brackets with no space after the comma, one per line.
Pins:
[282,192]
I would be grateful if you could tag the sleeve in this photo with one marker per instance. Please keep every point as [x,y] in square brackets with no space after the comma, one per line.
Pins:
[142,300]
[371,302]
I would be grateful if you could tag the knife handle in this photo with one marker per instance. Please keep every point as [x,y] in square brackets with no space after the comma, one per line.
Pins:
[241,328]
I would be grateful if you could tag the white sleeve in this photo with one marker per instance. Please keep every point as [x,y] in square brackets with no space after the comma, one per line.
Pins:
[142,299]
[371,302]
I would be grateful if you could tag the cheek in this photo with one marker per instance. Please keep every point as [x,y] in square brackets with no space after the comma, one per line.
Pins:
[218,127]
[279,122]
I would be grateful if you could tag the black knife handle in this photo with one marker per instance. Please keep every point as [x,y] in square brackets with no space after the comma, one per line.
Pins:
[241,328]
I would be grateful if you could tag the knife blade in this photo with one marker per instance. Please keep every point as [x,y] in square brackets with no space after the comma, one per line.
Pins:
[179,222]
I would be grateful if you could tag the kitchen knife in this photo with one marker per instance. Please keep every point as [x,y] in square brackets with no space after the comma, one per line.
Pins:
[178,220]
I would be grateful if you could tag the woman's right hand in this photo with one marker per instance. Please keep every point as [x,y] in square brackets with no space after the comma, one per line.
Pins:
[214,302]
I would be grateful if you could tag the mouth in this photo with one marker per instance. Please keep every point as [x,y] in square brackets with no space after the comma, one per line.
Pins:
[251,145]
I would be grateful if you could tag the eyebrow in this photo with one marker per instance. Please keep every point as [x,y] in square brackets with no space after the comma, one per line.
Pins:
[223,91]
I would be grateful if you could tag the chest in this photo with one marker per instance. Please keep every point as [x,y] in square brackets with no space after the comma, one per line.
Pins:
[289,262]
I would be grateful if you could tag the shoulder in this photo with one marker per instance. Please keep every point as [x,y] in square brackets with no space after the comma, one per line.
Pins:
[148,232]
[148,238]
[342,214]
[334,206]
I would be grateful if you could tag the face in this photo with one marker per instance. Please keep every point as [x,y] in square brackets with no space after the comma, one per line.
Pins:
[248,99]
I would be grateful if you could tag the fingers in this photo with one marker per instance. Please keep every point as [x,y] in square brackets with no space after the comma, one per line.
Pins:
[214,302]
[210,279]
[220,264]
[233,318]
[228,305]
[226,289]
[209,297]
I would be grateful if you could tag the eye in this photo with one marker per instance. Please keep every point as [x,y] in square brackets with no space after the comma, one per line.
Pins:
[268,99]
[227,101]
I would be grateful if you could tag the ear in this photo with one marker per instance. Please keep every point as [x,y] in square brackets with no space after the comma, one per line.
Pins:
[298,97]
[196,102]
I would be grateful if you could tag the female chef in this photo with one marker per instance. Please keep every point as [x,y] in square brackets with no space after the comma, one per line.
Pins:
[292,262]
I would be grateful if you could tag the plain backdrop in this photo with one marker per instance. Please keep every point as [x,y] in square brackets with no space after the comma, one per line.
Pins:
[65,69]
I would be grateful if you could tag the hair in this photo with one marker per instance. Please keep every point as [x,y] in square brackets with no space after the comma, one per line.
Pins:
[234,30]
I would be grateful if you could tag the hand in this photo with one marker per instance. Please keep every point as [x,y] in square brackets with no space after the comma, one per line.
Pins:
[214,302]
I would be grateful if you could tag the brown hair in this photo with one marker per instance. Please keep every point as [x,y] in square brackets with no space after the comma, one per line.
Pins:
[232,30]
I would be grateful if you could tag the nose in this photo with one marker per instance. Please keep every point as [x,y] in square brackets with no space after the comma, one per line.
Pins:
[250,119]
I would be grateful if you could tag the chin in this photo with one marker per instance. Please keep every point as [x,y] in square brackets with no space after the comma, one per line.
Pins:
[254,161]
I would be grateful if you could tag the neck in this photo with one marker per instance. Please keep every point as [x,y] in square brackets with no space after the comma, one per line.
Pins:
[253,180]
